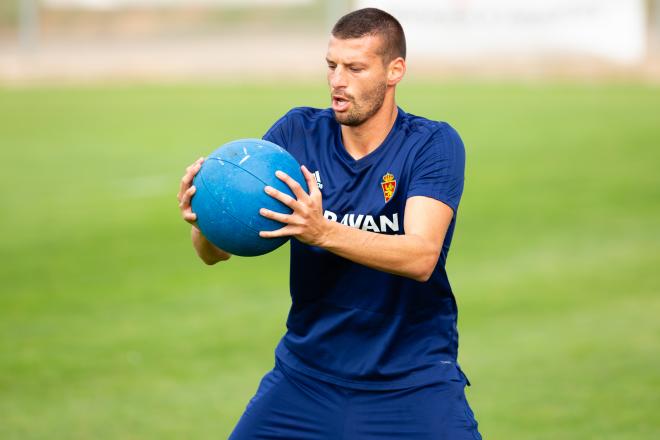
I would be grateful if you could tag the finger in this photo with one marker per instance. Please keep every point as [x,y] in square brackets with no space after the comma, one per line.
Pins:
[277,216]
[186,181]
[280,196]
[185,199]
[191,171]
[195,163]
[189,216]
[311,180]
[297,190]
[195,169]
[286,231]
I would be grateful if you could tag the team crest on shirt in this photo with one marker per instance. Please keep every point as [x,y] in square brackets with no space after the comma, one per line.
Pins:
[389,186]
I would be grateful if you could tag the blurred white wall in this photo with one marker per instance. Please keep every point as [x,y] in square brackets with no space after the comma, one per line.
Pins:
[614,30]
[97,40]
[119,4]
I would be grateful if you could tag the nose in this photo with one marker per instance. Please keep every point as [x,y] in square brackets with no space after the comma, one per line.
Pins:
[337,78]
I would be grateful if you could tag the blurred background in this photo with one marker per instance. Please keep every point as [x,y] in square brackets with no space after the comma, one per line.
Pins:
[90,40]
[110,327]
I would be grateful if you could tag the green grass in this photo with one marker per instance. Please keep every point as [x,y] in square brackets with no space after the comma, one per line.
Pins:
[110,328]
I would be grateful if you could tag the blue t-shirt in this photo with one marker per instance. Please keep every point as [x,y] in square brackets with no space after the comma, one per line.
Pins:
[349,324]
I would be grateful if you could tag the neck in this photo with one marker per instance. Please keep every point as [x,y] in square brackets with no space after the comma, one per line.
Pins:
[366,137]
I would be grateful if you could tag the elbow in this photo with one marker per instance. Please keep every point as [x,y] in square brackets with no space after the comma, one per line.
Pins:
[210,260]
[422,276]
[207,251]
[425,267]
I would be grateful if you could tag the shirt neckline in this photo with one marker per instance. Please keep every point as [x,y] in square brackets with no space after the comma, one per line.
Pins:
[371,157]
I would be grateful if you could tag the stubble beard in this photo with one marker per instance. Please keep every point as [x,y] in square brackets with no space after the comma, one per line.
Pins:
[370,103]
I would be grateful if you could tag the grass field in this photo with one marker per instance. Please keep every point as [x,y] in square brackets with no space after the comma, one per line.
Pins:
[111,329]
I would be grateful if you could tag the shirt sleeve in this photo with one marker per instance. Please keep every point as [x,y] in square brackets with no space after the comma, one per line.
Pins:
[439,168]
[277,134]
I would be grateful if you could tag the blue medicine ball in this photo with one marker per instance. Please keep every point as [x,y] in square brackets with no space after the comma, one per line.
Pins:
[230,192]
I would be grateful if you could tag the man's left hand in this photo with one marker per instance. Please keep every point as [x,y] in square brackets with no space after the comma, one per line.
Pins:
[306,222]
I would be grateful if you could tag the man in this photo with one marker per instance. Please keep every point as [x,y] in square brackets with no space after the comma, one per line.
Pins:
[371,343]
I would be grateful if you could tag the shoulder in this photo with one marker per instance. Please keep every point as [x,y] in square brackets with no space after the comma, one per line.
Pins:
[300,121]
[306,115]
[435,129]
[439,137]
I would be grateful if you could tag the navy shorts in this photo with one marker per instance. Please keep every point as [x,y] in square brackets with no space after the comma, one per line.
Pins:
[292,406]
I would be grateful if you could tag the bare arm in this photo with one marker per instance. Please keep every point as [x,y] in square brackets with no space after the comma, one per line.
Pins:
[207,251]
[413,255]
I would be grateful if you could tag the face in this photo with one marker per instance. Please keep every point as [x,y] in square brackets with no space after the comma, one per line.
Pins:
[357,78]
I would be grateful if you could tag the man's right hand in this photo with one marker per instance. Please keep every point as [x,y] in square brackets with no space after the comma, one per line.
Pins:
[186,191]
[207,251]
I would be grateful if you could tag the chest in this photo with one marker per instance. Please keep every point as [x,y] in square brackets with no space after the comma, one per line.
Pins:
[369,194]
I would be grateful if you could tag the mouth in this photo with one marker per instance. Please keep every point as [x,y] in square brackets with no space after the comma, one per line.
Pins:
[340,103]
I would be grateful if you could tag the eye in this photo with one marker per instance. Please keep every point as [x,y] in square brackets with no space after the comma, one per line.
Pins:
[332,66]
[355,69]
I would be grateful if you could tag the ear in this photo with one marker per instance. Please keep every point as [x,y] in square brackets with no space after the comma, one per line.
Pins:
[395,71]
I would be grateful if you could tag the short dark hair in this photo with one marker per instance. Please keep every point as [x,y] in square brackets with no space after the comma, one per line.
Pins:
[372,21]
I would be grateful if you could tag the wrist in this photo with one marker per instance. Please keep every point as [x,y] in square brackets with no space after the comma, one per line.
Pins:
[327,233]
[195,231]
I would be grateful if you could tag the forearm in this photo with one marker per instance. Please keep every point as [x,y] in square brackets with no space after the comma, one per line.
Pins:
[207,251]
[413,255]
[407,255]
